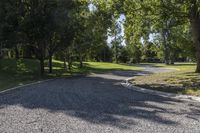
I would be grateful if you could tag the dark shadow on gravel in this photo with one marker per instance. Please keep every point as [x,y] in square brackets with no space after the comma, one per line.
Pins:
[93,99]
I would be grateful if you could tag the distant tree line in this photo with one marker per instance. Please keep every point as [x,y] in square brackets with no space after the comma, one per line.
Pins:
[77,30]
[174,24]
[42,29]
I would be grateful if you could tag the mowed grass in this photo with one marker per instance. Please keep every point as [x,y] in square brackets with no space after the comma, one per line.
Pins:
[103,67]
[19,72]
[182,81]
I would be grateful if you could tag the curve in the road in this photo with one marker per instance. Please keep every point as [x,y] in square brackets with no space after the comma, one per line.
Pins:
[95,103]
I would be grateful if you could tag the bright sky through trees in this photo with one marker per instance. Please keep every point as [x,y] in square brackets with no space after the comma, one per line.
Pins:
[121,21]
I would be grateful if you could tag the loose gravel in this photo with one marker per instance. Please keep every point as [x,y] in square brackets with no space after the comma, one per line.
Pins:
[93,104]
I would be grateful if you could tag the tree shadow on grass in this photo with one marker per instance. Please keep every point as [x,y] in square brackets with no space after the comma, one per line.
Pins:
[93,99]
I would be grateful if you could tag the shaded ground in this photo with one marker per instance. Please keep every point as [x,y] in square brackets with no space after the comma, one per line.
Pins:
[96,103]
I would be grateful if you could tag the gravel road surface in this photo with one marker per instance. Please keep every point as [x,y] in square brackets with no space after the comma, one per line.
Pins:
[94,104]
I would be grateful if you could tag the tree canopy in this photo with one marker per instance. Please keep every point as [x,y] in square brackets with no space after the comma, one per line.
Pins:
[79,30]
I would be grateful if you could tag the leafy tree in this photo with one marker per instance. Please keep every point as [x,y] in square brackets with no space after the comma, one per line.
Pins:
[149,51]
[103,54]
[123,56]
[11,21]
[39,23]
[165,14]
[62,31]
[115,33]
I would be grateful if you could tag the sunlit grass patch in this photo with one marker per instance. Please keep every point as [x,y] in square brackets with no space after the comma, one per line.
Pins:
[192,91]
[183,81]
[102,66]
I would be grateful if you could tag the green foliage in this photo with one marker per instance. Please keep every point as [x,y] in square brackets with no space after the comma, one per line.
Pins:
[135,52]
[73,31]
[149,52]
[173,21]
[123,56]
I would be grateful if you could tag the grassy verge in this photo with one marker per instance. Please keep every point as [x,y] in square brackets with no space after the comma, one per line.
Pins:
[183,81]
[18,72]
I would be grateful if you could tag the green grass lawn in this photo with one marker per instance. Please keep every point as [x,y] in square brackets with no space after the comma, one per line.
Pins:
[18,72]
[182,81]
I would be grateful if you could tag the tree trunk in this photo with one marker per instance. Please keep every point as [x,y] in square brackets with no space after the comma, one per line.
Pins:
[1,53]
[81,61]
[50,63]
[166,50]
[196,34]
[104,55]
[198,64]
[70,65]
[172,57]
[115,52]
[195,24]
[64,63]
[41,67]
[115,49]
[16,52]
[197,45]
[27,52]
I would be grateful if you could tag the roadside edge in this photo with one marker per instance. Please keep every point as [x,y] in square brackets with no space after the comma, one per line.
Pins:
[37,82]
[182,97]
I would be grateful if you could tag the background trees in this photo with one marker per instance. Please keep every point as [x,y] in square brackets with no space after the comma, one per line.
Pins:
[79,30]
[39,25]
[165,19]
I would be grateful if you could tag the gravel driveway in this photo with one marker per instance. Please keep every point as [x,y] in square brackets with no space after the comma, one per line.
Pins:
[93,104]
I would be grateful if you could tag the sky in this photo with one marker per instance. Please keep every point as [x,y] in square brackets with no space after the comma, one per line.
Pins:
[122,20]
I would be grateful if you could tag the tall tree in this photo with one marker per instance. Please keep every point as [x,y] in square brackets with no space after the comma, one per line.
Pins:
[38,26]
[62,29]
[194,17]
[115,33]
[157,11]
[11,21]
